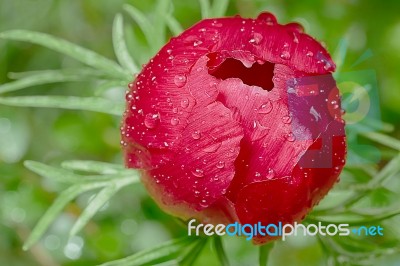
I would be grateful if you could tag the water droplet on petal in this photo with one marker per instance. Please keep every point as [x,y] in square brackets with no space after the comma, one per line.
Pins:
[213,147]
[185,103]
[257,38]
[196,134]
[151,120]
[198,172]
[310,54]
[271,173]
[180,80]
[174,121]
[287,119]
[290,137]
[269,18]
[220,164]
[285,55]
[197,43]
[265,108]
[203,203]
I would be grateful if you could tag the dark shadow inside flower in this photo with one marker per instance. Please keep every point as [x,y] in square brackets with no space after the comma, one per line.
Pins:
[256,75]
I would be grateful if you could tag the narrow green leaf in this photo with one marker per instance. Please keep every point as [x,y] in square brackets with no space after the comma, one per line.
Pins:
[83,71]
[103,86]
[175,27]
[339,55]
[51,172]
[193,253]
[383,139]
[93,166]
[94,206]
[219,248]
[66,102]
[159,23]
[161,253]
[264,252]
[62,200]
[79,53]
[390,170]
[120,48]
[205,8]
[219,8]
[144,24]
[65,176]
[46,77]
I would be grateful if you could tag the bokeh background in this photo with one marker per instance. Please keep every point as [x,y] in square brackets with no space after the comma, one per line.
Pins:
[131,221]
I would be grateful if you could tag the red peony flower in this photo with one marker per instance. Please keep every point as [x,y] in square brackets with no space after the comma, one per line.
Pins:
[237,120]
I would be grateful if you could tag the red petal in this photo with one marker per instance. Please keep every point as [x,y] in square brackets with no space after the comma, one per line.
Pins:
[284,200]
[203,166]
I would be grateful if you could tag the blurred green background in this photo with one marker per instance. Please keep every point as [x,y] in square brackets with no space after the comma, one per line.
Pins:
[131,221]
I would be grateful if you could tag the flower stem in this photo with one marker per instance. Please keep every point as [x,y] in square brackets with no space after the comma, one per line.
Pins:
[264,253]
[219,248]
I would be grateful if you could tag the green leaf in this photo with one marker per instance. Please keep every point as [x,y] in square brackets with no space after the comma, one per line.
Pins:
[48,76]
[219,8]
[100,199]
[383,139]
[161,253]
[120,48]
[94,206]
[66,102]
[205,8]
[159,23]
[264,252]
[54,173]
[339,55]
[79,53]
[219,248]
[144,24]
[193,253]
[61,201]
[175,27]
[65,176]
[93,166]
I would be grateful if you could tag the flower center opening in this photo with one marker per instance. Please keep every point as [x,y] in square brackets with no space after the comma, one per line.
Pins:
[257,75]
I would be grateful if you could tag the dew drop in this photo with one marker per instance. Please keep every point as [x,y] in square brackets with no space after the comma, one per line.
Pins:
[285,55]
[269,18]
[327,66]
[290,137]
[220,164]
[174,121]
[310,54]
[271,173]
[185,103]
[196,134]
[287,119]
[213,147]
[203,203]
[257,38]
[198,172]
[197,43]
[180,80]
[265,108]
[151,120]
